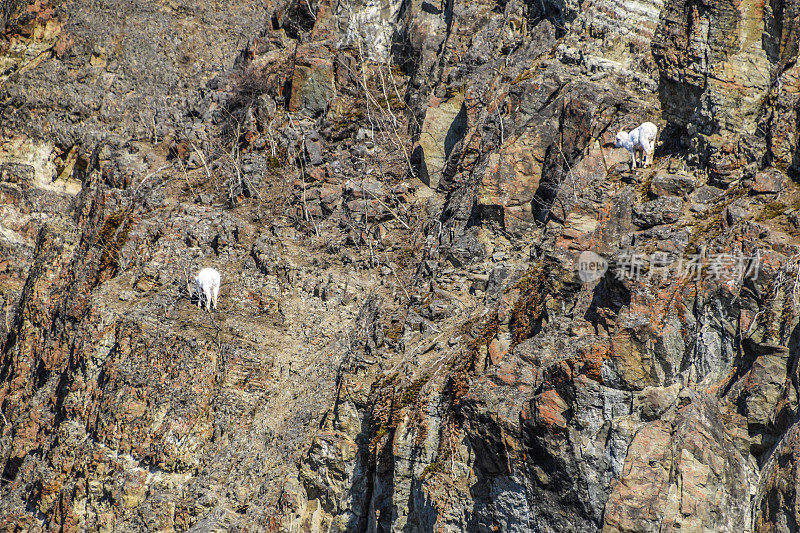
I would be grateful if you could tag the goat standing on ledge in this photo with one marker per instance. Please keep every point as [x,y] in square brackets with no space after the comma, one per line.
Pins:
[642,139]
[206,284]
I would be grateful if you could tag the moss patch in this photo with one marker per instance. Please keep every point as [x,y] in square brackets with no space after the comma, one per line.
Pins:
[275,162]
[433,468]
[389,400]
[710,226]
[113,235]
[411,394]
[393,331]
[529,308]
[771,210]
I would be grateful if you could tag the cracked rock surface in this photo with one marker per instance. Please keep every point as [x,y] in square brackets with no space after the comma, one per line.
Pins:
[396,195]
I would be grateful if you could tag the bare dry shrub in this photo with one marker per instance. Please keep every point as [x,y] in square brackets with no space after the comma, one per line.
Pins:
[10,10]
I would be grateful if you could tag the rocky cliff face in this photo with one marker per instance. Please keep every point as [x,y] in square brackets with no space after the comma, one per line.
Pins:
[401,198]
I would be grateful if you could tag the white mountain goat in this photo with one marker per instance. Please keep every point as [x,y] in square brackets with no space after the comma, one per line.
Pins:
[206,285]
[641,139]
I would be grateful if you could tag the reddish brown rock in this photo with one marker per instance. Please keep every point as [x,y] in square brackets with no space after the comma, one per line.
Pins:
[768,182]
[550,410]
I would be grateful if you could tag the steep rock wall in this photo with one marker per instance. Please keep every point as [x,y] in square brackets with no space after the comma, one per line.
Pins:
[398,196]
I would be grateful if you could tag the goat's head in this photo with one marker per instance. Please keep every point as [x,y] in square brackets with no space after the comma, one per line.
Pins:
[622,139]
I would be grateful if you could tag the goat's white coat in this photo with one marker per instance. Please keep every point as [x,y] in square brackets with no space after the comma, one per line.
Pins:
[206,284]
[641,139]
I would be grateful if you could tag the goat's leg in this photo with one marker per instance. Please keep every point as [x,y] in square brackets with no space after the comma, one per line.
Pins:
[216,295]
[633,159]
[207,291]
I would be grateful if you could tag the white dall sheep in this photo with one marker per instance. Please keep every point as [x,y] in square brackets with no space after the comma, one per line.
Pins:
[641,139]
[206,285]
